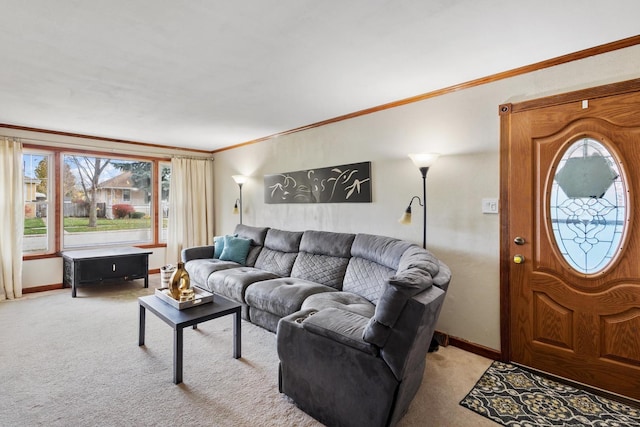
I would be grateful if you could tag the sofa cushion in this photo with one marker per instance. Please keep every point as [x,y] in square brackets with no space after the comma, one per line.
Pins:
[374,259]
[283,241]
[278,263]
[343,300]
[257,236]
[323,257]
[200,269]
[324,269]
[342,326]
[382,250]
[279,252]
[233,282]
[327,243]
[282,296]
[366,278]
[235,249]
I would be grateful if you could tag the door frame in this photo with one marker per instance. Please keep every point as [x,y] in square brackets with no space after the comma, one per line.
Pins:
[505,111]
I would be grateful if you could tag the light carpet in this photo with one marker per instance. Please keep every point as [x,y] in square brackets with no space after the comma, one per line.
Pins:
[76,362]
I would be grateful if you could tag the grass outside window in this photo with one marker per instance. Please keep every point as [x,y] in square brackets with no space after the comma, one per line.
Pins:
[34,226]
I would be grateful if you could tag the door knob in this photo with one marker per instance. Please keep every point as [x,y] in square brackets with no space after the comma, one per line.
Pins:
[518,259]
[518,241]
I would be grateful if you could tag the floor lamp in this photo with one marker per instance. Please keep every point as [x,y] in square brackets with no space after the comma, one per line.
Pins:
[239,179]
[423,163]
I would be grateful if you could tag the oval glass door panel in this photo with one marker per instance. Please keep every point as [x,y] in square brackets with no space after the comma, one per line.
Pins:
[588,206]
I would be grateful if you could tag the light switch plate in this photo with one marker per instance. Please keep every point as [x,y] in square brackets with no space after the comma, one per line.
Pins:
[490,206]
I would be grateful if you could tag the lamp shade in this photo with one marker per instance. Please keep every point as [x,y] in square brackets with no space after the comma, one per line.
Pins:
[424,160]
[405,218]
[239,179]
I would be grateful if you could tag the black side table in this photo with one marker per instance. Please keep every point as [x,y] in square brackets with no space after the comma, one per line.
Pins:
[180,319]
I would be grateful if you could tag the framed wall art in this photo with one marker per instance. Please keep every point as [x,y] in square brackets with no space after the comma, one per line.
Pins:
[349,183]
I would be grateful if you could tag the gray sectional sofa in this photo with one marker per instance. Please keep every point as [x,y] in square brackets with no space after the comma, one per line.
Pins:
[354,314]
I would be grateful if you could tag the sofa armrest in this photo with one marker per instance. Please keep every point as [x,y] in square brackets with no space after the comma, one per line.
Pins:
[339,325]
[197,252]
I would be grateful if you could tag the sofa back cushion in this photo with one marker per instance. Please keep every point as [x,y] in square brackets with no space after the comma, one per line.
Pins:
[323,257]
[257,236]
[279,252]
[374,259]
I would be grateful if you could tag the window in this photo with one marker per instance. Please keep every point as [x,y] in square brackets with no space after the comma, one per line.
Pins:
[588,206]
[78,200]
[164,179]
[38,218]
[107,201]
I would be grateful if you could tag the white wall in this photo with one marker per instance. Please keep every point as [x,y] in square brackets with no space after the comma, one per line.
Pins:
[464,127]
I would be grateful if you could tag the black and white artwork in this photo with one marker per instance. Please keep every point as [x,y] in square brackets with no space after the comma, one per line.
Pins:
[338,184]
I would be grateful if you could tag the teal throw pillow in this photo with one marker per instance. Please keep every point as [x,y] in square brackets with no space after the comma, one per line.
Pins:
[218,245]
[218,242]
[235,249]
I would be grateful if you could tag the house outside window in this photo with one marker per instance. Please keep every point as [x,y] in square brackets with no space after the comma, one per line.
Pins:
[108,203]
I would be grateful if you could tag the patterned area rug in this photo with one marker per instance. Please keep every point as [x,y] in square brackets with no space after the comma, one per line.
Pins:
[512,396]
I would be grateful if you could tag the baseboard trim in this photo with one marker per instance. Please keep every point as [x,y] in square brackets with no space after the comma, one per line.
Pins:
[42,288]
[445,340]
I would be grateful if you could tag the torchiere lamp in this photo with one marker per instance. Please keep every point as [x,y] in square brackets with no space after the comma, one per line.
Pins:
[423,162]
[239,179]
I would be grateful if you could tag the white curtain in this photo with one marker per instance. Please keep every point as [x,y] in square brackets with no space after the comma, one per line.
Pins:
[190,206]
[11,218]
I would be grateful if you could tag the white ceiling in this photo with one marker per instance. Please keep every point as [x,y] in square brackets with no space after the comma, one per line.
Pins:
[206,74]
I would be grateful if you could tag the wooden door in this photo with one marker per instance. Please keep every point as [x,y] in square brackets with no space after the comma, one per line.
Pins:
[575,316]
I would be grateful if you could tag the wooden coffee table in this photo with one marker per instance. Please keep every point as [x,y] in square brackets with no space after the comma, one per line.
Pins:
[180,319]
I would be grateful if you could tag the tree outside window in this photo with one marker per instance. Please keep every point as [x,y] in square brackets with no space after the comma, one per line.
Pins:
[110,202]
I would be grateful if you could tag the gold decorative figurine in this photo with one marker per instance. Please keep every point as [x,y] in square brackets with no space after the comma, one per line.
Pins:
[179,282]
